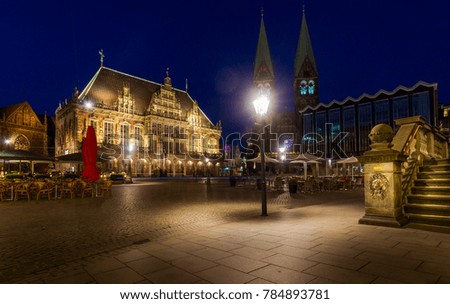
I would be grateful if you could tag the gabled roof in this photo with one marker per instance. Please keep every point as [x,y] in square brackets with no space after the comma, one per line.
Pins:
[262,51]
[304,47]
[103,89]
[8,111]
[368,96]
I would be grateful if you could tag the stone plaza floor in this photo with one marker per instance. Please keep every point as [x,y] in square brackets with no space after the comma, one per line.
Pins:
[171,231]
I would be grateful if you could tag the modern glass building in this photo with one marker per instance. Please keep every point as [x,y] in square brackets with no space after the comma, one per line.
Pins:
[344,126]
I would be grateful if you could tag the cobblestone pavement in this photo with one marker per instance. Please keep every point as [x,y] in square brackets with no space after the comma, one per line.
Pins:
[41,234]
[188,232]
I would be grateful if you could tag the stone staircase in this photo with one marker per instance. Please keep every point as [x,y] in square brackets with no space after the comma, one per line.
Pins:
[429,201]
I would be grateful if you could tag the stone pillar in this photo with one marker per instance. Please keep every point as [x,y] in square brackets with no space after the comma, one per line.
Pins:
[382,180]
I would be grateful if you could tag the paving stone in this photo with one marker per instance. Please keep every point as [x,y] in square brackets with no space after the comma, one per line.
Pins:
[444,280]
[225,275]
[340,275]
[336,250]
[252,253]
[402,262]
[282,275]
[435,268]
[381,280]
[223,245]
[193,264]
[79,278]
[260,281]
[118,276]
[172,275]
[187,246]
[211,254]
[294,251]
[169,254]
[131,255]
[289,262]
[103,265]
[338,260]
[400,274]
[241,263]
[148,265]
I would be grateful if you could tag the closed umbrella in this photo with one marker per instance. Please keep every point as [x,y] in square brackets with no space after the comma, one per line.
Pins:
[89,155]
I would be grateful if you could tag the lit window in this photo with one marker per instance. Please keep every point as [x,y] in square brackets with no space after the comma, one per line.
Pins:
[303,88]
[311,87]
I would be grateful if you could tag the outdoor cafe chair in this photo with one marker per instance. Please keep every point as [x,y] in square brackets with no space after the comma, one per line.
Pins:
[22,189]
[86,188]
[45,188]
[105,187]
[68,188]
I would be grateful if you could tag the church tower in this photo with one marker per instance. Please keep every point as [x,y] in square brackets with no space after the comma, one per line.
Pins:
[306,77]
[263,76]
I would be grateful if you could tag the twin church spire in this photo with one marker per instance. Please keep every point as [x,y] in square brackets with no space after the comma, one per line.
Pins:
[305,70]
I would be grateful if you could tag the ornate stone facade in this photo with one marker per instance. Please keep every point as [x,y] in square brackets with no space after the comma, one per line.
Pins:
[142,127]
[22,129]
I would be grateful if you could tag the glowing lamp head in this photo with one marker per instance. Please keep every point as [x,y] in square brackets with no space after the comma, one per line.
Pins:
[261,105]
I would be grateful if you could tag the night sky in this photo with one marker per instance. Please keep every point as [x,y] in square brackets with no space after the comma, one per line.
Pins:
[48,48]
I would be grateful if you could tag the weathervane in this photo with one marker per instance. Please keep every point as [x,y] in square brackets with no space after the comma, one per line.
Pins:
[101,57]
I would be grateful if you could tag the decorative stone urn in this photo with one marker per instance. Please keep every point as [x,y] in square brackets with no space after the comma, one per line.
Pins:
[382,180]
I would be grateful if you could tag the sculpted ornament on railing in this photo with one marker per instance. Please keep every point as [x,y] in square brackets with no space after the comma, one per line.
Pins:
[378,185]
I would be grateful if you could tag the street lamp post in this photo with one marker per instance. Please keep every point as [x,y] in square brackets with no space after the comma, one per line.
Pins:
[261,105]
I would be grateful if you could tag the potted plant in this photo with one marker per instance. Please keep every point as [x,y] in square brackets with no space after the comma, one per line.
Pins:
[292,182]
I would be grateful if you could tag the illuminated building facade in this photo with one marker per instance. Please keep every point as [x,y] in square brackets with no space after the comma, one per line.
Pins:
[143,128]
[22,129]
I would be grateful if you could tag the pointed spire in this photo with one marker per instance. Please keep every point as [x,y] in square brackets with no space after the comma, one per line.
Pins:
[102,56]
[304,47]
[262,51]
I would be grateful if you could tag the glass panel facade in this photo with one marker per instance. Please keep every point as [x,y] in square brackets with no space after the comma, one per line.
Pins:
[365,125]
[400,107]
[382,111]
[335,121]
[321,119]
[308,123]
[349,127]
[421,105]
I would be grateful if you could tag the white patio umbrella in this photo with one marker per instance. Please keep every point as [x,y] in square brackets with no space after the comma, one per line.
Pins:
[267,159]
[350,160]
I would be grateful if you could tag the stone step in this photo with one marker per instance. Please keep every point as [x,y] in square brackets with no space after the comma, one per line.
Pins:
[435,168]
[430,190]
[435,220]
[427,209]
[433,175]
[429,199]
[432,182]
[437,162]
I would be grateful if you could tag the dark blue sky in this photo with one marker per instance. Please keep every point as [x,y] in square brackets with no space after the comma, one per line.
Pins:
[360,47]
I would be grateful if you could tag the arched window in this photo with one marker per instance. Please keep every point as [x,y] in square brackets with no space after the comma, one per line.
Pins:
[21,143]
[311,87]
[303,88]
